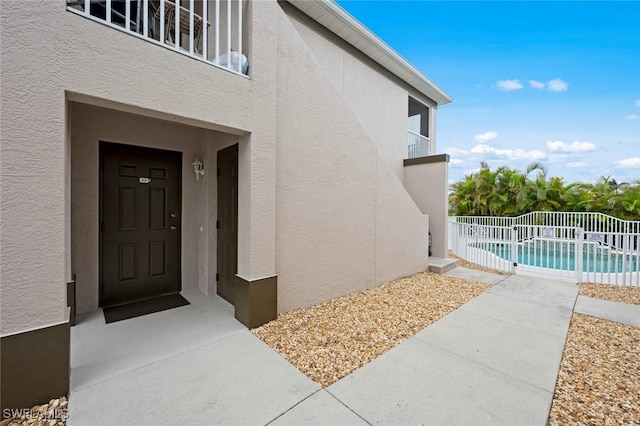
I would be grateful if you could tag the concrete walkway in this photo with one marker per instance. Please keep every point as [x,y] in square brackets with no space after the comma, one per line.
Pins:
[476,275]
[493,361]
[624,313]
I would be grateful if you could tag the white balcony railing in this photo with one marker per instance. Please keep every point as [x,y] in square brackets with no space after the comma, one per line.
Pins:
[209,30]
[419,145]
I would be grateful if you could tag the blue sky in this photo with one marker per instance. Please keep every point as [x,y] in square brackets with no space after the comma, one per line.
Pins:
[548,81]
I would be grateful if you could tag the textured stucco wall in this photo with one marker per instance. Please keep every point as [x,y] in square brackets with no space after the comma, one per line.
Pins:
[32,181]
[50,55]
[344,220]
[428,185]
[378,100]
[341,211]
[401,231]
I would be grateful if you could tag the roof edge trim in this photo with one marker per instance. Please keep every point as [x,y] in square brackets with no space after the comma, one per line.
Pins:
[364,38]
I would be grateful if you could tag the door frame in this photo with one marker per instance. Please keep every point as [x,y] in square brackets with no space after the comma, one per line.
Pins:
[229,149]
[101,206]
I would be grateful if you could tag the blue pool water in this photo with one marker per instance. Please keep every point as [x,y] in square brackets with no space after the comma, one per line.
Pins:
[563,259]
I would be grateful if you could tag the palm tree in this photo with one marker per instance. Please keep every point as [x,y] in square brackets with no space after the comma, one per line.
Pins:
[509,183]
[629,200]
[605,190]
[531,192]
[462,197]
[486,191]
[510,192]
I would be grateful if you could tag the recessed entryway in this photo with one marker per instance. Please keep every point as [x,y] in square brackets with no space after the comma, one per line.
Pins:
[140,223]
[102,351]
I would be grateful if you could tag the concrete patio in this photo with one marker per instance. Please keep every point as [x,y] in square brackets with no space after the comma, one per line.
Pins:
[493,361]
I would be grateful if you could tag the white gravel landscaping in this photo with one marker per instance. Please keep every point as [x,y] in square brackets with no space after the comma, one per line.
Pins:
[330,340]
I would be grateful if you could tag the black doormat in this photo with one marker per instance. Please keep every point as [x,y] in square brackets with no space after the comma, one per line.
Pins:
[143,307]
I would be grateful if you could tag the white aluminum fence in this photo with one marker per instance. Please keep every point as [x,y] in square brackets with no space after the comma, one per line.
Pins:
[582,247]
[481,244]
[419,145]
[209,31]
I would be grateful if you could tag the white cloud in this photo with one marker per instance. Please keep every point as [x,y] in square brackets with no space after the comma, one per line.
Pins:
[511,154]
[557,85]
[577,146]
[455,161]
[509,85]
[486,136]
[537,84]
[637,103]
[456,152]
[577,165]
[483,149]
[632,117]
[629,162]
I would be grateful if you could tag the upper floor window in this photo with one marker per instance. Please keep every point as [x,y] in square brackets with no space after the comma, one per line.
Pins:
[418,142]
[419,118]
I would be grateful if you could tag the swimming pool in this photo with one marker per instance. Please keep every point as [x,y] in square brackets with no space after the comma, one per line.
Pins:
[561,256]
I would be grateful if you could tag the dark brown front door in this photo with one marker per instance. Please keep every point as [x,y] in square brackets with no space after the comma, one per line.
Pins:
[140,222]
[227,220]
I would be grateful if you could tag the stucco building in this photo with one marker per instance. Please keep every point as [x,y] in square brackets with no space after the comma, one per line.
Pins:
[315,141]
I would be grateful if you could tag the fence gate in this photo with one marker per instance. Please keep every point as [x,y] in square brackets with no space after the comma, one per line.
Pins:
[555,250]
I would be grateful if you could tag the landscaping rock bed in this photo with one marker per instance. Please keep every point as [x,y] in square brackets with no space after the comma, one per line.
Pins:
[615,293]
[54,413]
[328,341]
[599,379]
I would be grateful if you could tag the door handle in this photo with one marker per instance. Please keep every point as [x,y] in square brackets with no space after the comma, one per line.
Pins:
[173,228]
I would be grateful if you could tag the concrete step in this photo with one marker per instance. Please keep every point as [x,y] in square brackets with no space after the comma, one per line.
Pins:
[441,265]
